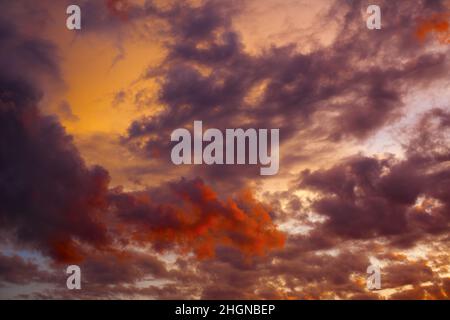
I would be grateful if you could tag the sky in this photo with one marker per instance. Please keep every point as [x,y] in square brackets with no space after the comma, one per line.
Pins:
[86,176]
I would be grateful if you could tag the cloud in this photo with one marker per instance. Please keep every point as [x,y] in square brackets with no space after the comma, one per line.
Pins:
[342,93]
[202,236]
[16,270]
[366,197]
[49,198]
[437,24]
[53,202]
[118,8]
[65,110]
[189,214]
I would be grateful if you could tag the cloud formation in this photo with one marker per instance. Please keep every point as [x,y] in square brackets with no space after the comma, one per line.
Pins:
[208,234]
[192,216]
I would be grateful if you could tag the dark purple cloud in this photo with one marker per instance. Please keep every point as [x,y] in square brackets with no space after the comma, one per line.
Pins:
[366,197]
[341,93]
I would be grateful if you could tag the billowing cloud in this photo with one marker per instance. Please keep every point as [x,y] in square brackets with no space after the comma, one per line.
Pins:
[192,216]
[351,87]
[368,197]
[48,196]
[220,232]
[52,201]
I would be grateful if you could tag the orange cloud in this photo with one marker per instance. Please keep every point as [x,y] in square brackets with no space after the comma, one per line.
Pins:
[438,25]
[195,220]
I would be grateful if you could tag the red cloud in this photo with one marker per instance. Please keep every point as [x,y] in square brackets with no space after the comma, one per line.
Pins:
[437,24]
[191,217]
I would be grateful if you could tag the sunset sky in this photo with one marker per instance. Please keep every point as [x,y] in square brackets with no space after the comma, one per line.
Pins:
[86,176]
